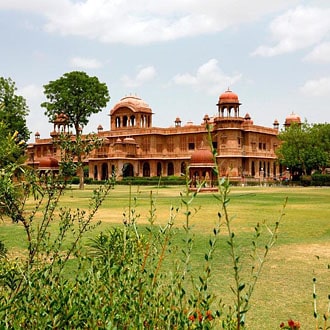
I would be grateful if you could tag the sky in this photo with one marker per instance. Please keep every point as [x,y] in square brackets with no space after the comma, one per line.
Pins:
[179,56]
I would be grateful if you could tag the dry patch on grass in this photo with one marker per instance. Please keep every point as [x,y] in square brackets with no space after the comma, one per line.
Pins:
[302,252]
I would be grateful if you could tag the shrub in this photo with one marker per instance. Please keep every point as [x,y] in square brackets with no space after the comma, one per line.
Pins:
[129,277]
[320,180]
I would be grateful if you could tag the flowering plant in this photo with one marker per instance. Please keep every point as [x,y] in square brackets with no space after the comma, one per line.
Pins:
[292,325]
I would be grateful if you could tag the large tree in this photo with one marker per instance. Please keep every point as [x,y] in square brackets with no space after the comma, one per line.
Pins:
[304,147]
[13,109]
[77,96]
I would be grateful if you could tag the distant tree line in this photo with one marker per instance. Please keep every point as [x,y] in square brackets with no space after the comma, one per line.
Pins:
[305,148]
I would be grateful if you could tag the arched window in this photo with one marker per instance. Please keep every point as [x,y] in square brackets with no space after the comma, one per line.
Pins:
[117,122]
[146,169]
[125,121]
[253,169]
[170,169]
[132,121]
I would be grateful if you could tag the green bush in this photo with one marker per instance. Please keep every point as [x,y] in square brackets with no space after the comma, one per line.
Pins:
[153,181]
[316,179]
[321,180]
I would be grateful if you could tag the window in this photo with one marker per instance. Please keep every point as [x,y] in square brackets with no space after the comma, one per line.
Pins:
[170,147]
[191,146]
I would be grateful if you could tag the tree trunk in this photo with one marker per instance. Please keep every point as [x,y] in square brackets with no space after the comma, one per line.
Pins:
[81,178]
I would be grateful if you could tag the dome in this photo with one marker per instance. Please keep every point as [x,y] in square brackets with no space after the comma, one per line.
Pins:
[292,118]
[129,140]
[48,163]
[61,118]
[134,103]
[228,97]
[202,156]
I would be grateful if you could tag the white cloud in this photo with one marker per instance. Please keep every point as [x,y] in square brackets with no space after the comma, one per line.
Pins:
[34,96]
[31,92]
[145,74]
[85,63]
[318,87]
[144,21]
[321,53]
[296,29]
[208,77]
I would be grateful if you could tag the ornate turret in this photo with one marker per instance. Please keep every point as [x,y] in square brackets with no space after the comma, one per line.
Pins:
[228,105]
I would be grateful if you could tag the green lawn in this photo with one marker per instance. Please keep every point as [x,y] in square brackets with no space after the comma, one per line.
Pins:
[285,287]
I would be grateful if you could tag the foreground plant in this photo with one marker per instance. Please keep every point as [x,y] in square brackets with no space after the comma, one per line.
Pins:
[128,277]
[321,323]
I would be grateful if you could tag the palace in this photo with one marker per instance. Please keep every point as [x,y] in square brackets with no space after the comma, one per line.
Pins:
[133,147]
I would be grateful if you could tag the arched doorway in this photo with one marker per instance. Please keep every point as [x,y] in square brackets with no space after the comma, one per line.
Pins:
[128,170]
[170,169]
[183,168]
[159,169]
[104,172]
[95,172]
[146,169]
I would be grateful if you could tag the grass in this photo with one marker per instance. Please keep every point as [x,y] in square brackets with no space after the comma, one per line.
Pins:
[302,251]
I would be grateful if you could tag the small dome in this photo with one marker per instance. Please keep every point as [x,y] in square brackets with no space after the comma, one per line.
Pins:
[292,118]
[129,140]
[134,103]
[48,163]
[61,119]
[228,97]
[202,156]
[206,118]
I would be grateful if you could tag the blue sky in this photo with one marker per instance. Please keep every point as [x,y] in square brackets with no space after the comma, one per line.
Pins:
[177,55]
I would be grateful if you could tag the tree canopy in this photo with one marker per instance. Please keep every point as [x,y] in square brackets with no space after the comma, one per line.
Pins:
[13,110]
[76,95]
[305,147]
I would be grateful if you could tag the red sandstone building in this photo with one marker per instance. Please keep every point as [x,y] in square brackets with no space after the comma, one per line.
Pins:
[133,147]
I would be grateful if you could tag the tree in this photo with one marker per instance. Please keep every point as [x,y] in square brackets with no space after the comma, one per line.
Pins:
[11,166]
[321,136]
[77,96]
[304,147]
[13,109]
[10,147]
